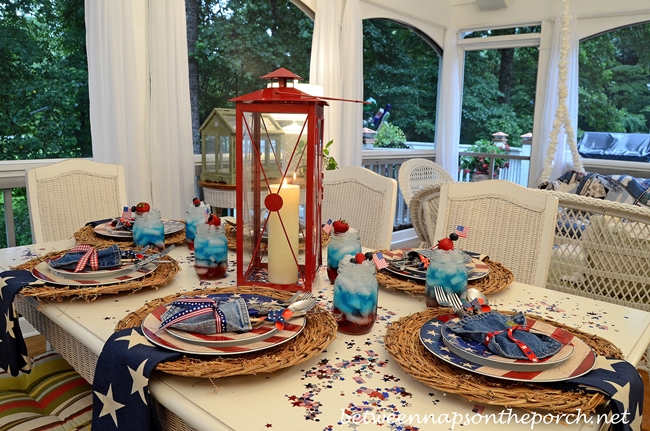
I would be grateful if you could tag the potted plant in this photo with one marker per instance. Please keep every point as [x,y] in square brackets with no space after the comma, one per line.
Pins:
[478,167]
[390,136]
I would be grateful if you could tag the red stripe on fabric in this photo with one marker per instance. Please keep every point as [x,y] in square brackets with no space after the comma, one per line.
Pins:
[19,404]
[47,399]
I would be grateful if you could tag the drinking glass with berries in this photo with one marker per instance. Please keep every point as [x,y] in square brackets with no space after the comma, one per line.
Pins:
[344,240]
[211,250]
[355,294]
[195,214]
[148,228]
[446,269]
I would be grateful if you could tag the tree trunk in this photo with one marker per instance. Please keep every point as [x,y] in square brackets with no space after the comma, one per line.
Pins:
[506,74]
[192,12]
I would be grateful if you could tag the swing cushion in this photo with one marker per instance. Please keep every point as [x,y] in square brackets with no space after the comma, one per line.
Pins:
[51,397]
[616,188]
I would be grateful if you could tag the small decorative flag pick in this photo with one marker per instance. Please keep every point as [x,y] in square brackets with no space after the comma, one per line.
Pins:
[378,259]
[208,211]
[126,213]
[462,231]
[327,227]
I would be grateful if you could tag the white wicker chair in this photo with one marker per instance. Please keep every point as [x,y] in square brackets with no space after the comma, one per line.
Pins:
[365,199]
[424,211]
[64,196]
[415,174]
[512,224]
[601,250]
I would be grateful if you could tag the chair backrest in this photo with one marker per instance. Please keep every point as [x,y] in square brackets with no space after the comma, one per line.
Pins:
[415,174]
[365,199]
[424,212]
[512,224]
[601,250]
[64,196]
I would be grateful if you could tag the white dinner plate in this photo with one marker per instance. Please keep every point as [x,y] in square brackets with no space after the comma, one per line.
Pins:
[581,361]
[480,354]
[162,338]
[105,229]
[42,272]
[89,274]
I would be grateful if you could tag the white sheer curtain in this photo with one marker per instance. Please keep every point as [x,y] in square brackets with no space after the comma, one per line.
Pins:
[562,161]
[139,98]
[450,97]
[324,68]
[351,46]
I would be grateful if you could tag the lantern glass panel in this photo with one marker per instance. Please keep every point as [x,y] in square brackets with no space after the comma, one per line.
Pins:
[270,159]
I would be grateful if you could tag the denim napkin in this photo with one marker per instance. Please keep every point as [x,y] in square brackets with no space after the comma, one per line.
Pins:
[205,315]
[496,331]
[107,258]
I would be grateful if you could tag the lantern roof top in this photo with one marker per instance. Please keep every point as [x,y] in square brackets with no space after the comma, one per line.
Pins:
[279,93]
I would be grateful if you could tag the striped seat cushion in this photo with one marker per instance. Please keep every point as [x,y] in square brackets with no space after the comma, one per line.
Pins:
[52,397]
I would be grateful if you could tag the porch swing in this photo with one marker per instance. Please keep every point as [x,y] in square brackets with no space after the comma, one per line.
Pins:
[601,247]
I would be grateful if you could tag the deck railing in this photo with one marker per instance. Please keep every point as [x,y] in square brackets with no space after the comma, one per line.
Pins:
[383,161]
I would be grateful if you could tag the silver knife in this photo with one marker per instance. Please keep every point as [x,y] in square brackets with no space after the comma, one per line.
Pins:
[153,257]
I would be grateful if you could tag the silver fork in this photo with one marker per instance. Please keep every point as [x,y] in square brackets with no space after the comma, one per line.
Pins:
[457,304]
[449,300]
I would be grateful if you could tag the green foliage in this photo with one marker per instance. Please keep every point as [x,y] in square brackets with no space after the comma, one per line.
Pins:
[21,219]
[400,69]
[390,136]
[481,165]
[614,74]
[241,40]
[43,80]
[329,162]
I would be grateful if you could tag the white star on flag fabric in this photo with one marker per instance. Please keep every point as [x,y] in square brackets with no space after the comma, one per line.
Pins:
[109,405]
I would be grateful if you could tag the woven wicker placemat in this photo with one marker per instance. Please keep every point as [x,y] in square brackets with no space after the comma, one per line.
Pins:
[402,341]
[495,281]
[163,274]
[319,332]
[87,235]
[231,235]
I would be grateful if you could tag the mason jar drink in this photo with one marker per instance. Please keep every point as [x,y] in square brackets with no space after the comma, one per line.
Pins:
[446,269]
[355,296]
[341,244]
[194,216]
[210,252]
[148,229]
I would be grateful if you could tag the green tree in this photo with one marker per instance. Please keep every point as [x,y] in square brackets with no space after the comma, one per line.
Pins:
[238,41]
[43,80]
[401,69]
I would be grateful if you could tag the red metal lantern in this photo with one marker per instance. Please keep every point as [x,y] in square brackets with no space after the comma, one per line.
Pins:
[279,197]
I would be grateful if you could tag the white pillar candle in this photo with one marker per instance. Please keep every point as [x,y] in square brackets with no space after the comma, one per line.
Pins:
[282,265]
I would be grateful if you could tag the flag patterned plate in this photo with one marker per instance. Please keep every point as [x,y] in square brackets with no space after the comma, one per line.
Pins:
[42,272]
[266,330]
[151,325]
[105,229]
[90,274]
[475,268]
[581,361]
[480,354]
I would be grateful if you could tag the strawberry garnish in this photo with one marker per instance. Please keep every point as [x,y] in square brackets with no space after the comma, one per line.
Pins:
[340,226]
[446,244]
[196,202]
[214,220]
[142,207]
[359,257]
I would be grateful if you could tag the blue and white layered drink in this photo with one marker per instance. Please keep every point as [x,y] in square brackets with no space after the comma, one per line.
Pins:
[355,296]
[341,243]
[210,252]
[446,269]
